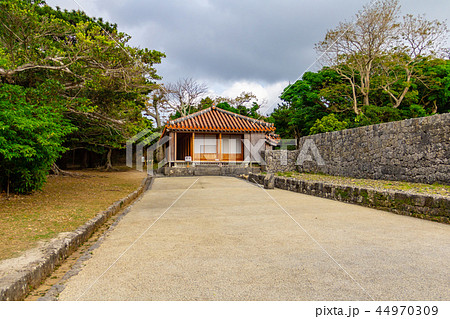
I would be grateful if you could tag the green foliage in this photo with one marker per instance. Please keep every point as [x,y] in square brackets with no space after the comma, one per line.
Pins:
[225,106]
[434,94]
[321,101]
[241,109]
[328,123]
[384,69]
[99,85]
[205,103]
[74,17]
[414,110]
[307,100]
[372,114]
[281,118]
[32,129]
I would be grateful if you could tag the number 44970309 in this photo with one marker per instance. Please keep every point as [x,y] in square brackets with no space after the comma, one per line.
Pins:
[408,310]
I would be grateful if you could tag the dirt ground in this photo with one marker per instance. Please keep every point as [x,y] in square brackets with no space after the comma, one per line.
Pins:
[64,204]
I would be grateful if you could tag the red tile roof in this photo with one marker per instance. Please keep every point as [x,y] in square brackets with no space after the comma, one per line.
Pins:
[217,120]
[273,139]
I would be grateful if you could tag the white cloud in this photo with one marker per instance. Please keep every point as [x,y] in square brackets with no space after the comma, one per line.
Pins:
[267,95]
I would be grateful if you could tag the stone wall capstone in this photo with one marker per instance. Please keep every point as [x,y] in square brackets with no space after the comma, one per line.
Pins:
[413,150]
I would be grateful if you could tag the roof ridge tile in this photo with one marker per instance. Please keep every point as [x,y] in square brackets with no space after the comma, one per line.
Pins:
[217,119]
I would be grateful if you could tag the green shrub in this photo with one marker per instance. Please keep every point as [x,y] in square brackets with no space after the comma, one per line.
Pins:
[372,114]
[31,131]
[414,110]
[328,123]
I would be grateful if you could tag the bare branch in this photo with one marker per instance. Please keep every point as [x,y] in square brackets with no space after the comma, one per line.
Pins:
[185,94]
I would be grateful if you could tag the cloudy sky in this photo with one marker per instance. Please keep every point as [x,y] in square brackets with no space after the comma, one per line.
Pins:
[236,45]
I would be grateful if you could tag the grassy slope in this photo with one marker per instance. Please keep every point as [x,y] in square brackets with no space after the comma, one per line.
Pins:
[64,204]
[418,188]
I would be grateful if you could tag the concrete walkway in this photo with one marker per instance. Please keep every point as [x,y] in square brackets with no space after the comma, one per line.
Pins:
[221,238]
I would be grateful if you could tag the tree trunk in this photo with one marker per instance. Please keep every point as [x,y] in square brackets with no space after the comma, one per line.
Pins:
[353,85]
[7,188]
[158,120]
[366,101]
[157,116]
[405,90]
[355,100]
[56,170]
[108,165]
[365,84]
[434,109]
[84,162]
[402,96]
[59,172]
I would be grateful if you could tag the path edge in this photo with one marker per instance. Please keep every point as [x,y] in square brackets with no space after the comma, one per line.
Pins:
[430,207]
[16,286]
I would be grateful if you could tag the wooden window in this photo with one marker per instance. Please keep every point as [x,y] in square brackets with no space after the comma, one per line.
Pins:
[205,143]
[205,147]
[231,144]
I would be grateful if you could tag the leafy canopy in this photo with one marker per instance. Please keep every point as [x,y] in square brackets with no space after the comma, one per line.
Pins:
[78,70]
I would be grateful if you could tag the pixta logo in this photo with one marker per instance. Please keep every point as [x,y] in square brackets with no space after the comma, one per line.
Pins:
[308,152]
[303,156]
[142,141]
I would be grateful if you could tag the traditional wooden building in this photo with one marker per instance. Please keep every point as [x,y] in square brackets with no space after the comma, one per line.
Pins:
[214,135]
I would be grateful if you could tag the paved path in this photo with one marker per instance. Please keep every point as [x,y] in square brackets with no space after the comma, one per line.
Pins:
[220,238]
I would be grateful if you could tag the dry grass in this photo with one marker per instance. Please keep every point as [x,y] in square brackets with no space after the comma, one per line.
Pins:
[64,204]
[413,188]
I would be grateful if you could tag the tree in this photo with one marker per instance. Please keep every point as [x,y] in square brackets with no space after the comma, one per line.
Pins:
[193,92]
[310,99]
[184,95]
[205,103]
[101,82]
[378,45]
[243,99]
[351,48]
[434,92]
[419,40]
[281,117]
[242,109]
[75,50]
[157,106]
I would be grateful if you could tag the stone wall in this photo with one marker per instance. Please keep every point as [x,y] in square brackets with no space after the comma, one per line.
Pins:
[280,160]
[414,150]
[208,170]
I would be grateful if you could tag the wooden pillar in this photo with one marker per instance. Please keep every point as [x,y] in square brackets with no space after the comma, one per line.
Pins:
[220,147]
[170,150]
[175,147]
[241,139]
[192,146]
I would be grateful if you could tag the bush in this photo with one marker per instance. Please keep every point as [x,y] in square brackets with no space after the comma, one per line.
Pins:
[328,123]
[31,132]
[372,114]
[414,111]
[381,114]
